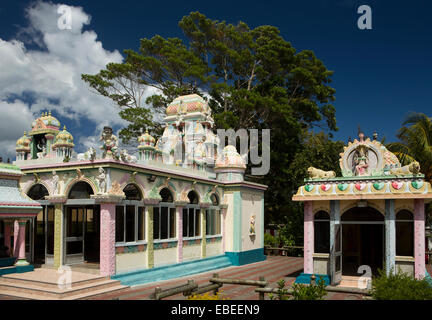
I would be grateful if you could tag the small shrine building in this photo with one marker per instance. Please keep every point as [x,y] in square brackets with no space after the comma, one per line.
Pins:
[371,217]
[129,212]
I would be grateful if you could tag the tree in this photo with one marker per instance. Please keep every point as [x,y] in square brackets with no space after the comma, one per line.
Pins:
[163,66]
[415,143]
[252,78]
[316,150]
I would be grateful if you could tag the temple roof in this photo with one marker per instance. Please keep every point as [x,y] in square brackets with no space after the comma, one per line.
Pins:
[13,202]
[369,171]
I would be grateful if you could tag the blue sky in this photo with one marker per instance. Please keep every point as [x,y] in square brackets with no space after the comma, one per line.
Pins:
[380,75]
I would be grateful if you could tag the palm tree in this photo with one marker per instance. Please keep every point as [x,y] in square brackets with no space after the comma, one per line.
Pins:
[415,143]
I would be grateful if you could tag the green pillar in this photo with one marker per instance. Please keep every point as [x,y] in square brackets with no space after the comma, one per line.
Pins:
[58,239]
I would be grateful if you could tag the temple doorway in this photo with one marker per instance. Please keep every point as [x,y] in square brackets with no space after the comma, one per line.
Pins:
[363,237]
[82,234]
[82,226]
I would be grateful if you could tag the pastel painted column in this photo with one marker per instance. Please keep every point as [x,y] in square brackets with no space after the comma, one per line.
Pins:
[58,239]
[179,211]
[390,237]
[335,218]
[419,238]
[21,260]
[16,233]
[203,231]
[107,239]
[223,207]
[149,231]
[7,235]
[237,222]
[308,238]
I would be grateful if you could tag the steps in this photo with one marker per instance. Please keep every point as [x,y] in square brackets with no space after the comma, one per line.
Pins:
[41,284]
[354,282]
[173,271]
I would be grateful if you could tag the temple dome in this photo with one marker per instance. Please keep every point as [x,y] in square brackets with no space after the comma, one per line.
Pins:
[23,143]
[45,124]
[48,120]
[63,139]
[230,158]
[146,141]
[187,104]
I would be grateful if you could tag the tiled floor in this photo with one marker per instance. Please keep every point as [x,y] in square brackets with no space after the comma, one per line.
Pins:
[273,269]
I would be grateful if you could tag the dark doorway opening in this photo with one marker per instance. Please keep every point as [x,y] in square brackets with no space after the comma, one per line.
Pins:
[363,234]
[362,245]
[82,234]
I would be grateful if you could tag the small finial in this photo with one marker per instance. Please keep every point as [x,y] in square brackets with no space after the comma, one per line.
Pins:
[25,132]
[64,127]
[49,113]
[375,135]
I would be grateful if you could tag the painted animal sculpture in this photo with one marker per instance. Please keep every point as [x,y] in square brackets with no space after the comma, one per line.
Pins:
[412,168]
[315,173]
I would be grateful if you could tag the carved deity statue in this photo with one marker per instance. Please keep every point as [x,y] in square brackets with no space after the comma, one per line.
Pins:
[101,178]
[110,144]
[361,159]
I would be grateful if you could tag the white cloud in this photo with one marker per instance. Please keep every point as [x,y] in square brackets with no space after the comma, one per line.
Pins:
[52,74]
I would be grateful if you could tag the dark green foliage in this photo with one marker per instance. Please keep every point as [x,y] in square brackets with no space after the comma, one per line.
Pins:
[300,291]
[309,292]
[416,145]
[270,240]
[253,78]
[400,286]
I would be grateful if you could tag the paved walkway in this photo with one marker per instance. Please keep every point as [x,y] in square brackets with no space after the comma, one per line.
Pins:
[273,269]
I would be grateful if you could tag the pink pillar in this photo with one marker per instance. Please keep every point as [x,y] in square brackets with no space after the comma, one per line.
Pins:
[180,234]
[7,236]
[419,238]
[308,238]
[20,243]
[16,232]
[107,239]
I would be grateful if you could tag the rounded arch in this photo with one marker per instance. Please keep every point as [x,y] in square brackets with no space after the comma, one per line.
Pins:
[370,205]
[362,214]
[322,215]
[215,199]
[132,191]
[80,190]
[71,184]
[405,215]
[193,197]
[37,191]
[166,194]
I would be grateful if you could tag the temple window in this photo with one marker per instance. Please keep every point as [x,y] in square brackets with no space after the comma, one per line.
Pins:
[213,217]
[164,217]
[322,232]
[191,216]
[80,190]
[38,192]
[130,216]
[404,233]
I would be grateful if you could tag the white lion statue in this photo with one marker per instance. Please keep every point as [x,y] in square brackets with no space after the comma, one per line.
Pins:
[126,157]
[90,154]
[412,168]
[315,173]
